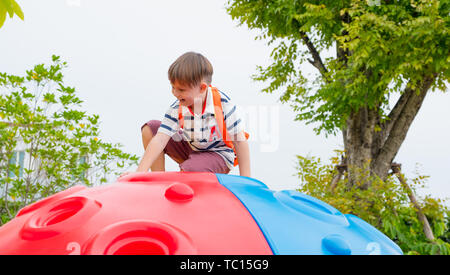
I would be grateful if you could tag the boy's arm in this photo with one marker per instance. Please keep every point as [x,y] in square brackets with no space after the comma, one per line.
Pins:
[153,150]
[243,154]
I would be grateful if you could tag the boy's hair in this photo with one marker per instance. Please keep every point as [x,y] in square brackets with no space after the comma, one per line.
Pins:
[190,69]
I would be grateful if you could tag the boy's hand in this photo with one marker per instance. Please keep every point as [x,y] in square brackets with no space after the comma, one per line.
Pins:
[125,173]
[243,154]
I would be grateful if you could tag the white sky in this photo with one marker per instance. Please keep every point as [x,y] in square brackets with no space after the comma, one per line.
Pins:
[119,52]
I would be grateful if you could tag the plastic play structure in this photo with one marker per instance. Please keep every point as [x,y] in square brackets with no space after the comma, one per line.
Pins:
[187,213]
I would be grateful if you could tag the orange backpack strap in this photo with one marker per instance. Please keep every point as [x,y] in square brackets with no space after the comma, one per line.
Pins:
[180,116]
[218,112]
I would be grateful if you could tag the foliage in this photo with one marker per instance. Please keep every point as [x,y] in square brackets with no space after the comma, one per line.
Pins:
[9,7]
[381,46]
[385,205]
[41,116]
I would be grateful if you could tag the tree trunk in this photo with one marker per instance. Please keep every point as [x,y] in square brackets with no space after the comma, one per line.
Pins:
[370,152]
[359,138]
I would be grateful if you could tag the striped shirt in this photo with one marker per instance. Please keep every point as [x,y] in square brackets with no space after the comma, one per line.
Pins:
[201,131]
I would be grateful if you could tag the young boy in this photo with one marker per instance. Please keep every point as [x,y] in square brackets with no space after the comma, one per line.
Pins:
[189,134]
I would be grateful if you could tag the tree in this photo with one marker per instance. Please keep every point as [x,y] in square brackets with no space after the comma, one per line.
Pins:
[47,144]
[382,49]
[9,7]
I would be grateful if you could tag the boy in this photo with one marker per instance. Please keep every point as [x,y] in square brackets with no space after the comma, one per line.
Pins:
[189,134]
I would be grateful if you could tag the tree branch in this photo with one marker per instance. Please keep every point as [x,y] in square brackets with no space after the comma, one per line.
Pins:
[396,111]
[401,126]
[317,60]
[396,169]
[341,169]
[386,127]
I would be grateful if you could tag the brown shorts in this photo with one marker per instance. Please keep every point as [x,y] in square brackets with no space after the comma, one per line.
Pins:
[188,159]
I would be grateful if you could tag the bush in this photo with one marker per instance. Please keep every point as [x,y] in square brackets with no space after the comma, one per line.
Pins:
[384,204]
[47,143]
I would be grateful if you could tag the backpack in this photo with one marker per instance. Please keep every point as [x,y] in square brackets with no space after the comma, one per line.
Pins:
[218,114]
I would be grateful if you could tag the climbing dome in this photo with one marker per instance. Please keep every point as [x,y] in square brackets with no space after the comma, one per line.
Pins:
[187,213]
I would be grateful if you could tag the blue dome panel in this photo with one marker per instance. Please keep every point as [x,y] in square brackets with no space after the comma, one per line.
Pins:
[294,223]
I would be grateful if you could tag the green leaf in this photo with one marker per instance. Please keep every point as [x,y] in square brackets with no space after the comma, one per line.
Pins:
[2,17]
[8,5]
[17,9]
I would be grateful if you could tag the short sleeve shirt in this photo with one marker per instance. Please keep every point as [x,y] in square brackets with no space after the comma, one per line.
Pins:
[201,131]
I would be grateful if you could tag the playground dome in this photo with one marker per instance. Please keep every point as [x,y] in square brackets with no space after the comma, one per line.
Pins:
[187,213]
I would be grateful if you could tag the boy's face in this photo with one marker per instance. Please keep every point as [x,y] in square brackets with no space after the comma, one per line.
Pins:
[188,95]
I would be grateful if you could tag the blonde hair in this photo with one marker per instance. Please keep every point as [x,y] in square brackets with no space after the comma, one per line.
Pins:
[190,69]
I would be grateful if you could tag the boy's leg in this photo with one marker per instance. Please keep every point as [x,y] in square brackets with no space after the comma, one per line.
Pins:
[205,162]
[147,135]
[177,150]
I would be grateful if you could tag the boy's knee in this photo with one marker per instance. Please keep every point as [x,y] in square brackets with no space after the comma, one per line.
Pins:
[146,132]
[149,129]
